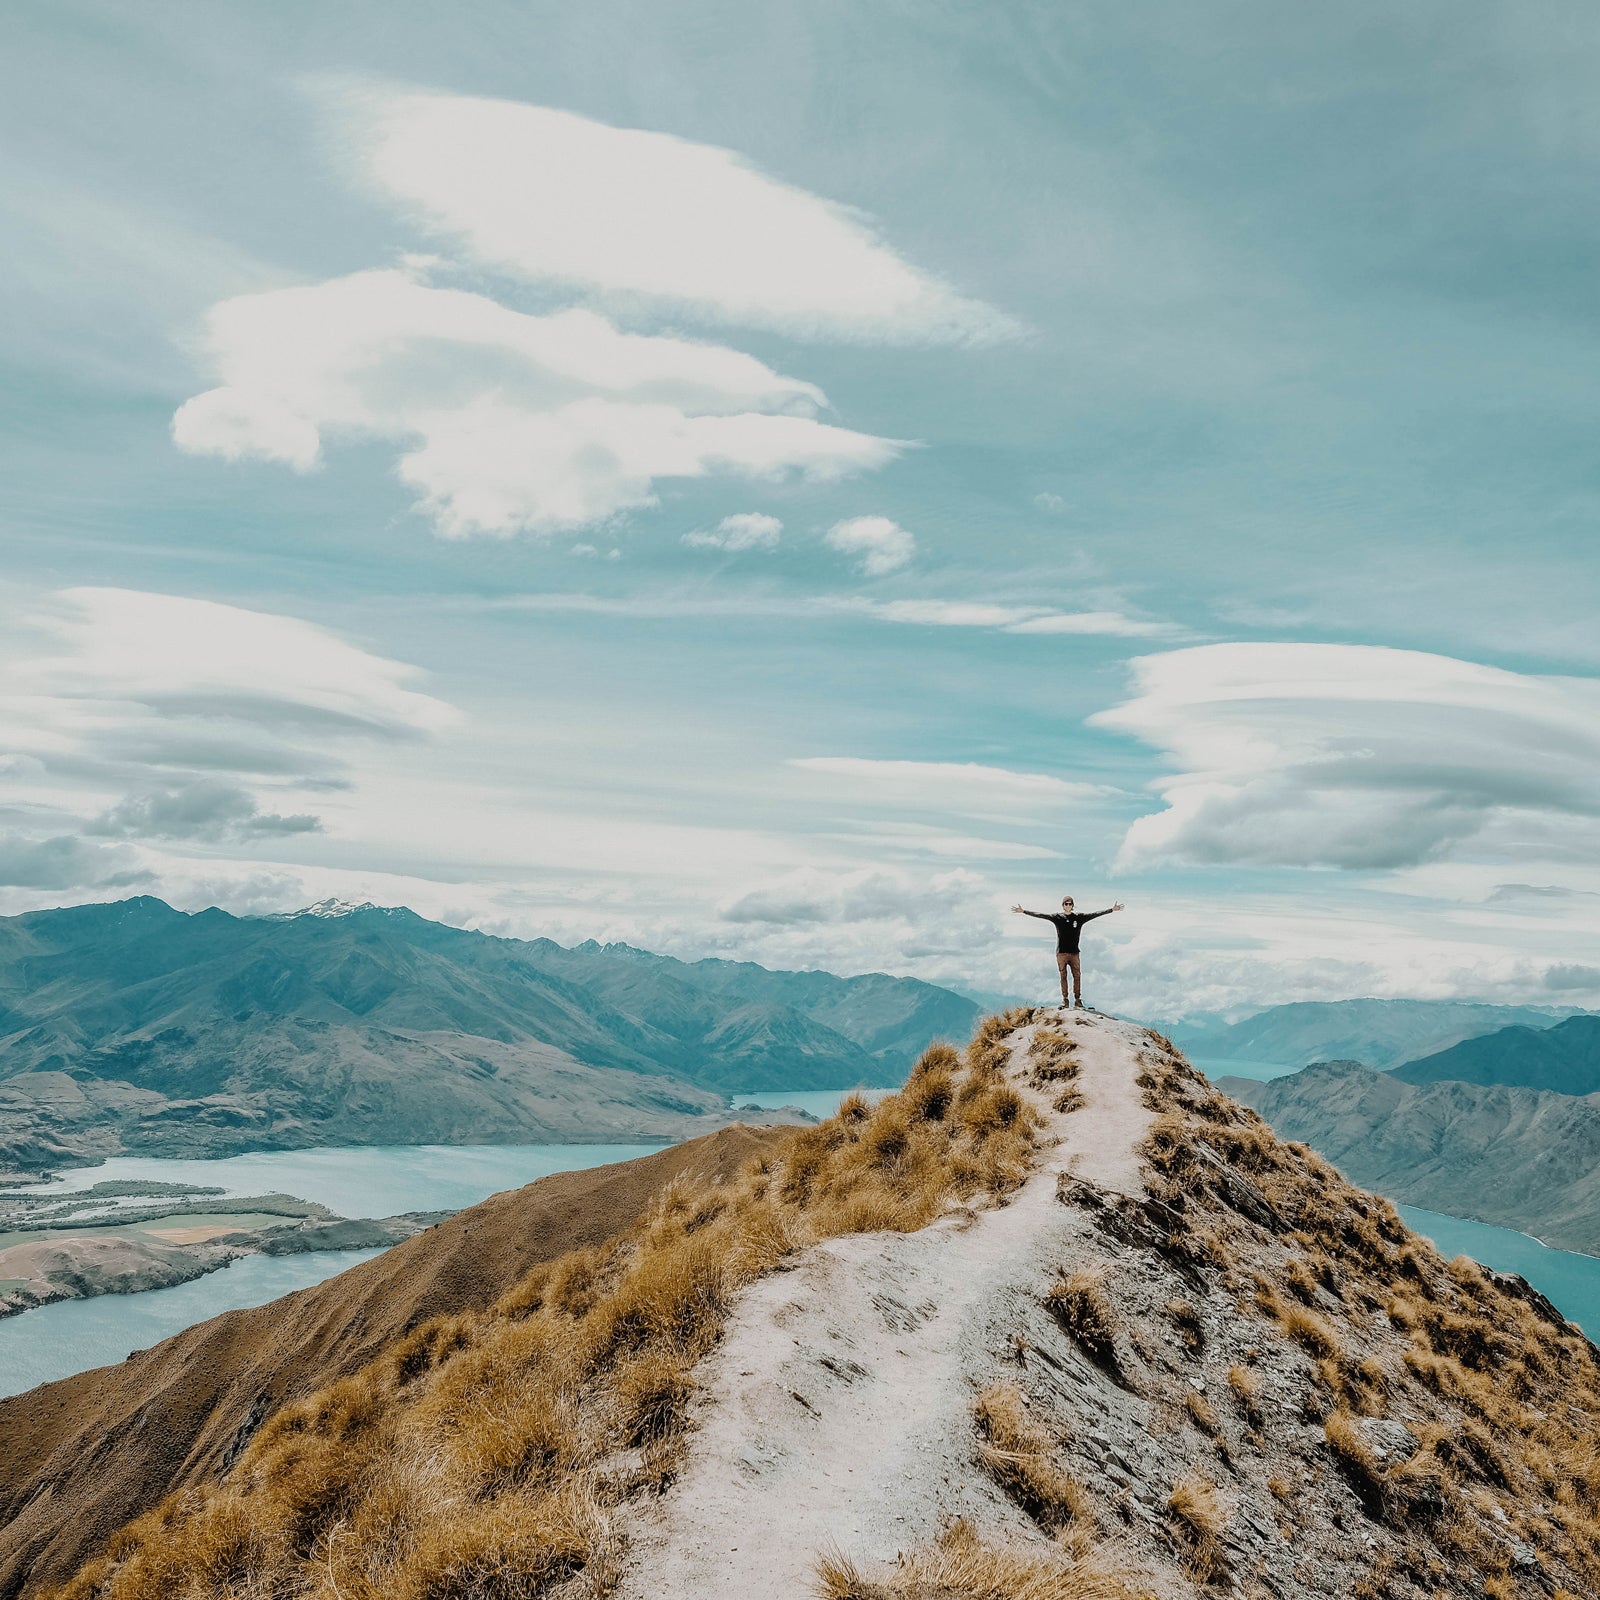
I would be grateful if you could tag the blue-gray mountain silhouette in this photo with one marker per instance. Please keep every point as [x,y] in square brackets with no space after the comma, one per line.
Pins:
[136,1026]
[1564,1059]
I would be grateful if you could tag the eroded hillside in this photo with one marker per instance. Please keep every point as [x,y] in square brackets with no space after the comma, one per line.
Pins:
[1056,1321]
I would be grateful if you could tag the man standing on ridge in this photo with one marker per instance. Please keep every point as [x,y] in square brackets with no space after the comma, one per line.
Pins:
[1069,924]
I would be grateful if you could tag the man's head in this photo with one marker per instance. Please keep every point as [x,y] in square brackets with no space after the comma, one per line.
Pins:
[1066,903]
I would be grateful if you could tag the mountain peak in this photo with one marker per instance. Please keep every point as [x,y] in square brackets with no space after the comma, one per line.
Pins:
[330,908]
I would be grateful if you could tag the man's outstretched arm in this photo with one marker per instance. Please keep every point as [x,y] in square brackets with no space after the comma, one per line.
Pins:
[1089,916]
[1043,916]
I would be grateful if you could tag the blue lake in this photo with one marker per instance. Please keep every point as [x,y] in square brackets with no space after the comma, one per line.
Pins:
[375,1181]
[58,1340]
[72,1335]
[819,1102]
[1232,1067]
[1571,1281]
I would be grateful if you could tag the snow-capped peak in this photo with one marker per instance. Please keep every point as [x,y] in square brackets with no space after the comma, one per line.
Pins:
[332,908]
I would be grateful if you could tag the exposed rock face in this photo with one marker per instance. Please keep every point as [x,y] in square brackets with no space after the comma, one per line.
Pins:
[1222,1417]
[1519,1158]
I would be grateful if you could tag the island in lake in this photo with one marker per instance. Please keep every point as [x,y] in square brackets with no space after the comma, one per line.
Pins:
[121,1237]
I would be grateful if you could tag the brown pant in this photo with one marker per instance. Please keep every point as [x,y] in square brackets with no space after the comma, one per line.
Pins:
[1067,961]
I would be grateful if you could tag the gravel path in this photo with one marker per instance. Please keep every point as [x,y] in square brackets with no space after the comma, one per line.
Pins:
[837,1410]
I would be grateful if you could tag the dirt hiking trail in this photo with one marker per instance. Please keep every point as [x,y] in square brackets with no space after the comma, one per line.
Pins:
[837,1411]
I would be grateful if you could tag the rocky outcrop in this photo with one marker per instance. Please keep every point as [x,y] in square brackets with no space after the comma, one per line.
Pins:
[1519,1158]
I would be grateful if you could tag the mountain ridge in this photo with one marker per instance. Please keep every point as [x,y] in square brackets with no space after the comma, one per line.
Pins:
[1056,1319]
[131,1026]
[1384,1033]
[1512,1156]
[1564,1059]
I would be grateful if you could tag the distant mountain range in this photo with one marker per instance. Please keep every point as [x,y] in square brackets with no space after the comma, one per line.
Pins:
[1565,1058]
[1518,1157]
[133,1026]
[1382,1033]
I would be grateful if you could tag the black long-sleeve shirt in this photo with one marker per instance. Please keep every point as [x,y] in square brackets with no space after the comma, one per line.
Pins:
[1068,927]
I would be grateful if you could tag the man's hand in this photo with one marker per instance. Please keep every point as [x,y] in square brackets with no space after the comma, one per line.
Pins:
[1019,908]
[1118,906]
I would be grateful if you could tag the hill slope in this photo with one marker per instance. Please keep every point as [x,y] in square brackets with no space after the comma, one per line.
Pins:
[81,1457]
[1519,1158]
[134,1026]
[1565,1058]
[1383,1033]
[1118,1340]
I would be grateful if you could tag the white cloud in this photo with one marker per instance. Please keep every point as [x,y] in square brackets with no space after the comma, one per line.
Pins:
[1112,623]
[62,862]
[995,614]
[506,421]
[1052,503]
[159,717]
[883,545]
[632,218]
[174,654]
[919,838]
[930,613]
[949,782]
[818,895]
[1356,756]
[744,530]
[207,808]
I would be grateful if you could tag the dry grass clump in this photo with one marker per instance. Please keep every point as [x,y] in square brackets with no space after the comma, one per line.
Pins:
[1245,1387]
[1052,1056]
[1054,1067]
[1357,1460]
[959,1565]
[1198,1517]
[1020,1453]
[482,1456]
[1188,1323]
[1079,1302]
[1313,1333]
[1203,1414]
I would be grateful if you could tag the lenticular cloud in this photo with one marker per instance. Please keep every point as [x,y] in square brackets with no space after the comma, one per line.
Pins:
[506,422]
[628,216]
[1352,755]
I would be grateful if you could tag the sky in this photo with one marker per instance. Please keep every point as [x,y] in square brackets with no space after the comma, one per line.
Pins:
[790,481]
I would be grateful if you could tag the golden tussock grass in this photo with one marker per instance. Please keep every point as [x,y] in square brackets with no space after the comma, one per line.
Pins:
[1053,1056]
[1186,1319]
[481,1457]
[1202,1414]
[1020,1454]
[1079,1302]
[1245,1387]
[959,1565]
[1198,1516]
